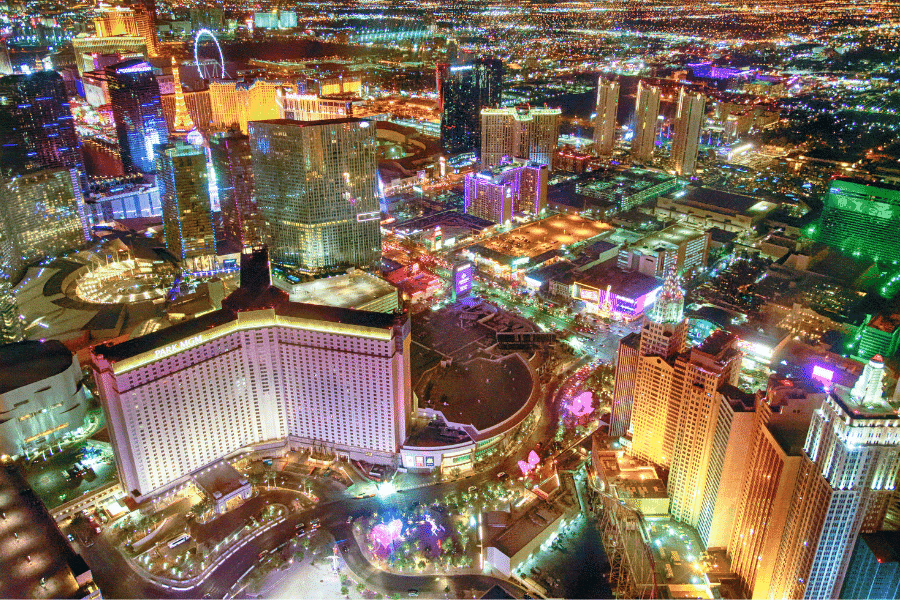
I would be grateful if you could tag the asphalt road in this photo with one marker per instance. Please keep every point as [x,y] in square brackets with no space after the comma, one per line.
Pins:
[118,579]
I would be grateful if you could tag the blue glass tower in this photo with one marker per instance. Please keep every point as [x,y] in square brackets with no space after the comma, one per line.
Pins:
[137,110]
[36,125]
[465,90]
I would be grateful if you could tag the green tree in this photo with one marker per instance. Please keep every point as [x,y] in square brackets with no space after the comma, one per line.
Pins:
[360,587]
[344,590]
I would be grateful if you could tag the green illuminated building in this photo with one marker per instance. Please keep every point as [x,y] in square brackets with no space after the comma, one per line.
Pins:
[861,219]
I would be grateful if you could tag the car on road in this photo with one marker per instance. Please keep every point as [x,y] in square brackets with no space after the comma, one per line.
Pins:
[413,593]
[472,488]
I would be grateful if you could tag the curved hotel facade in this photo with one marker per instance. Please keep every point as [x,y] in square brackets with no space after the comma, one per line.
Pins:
[261,371]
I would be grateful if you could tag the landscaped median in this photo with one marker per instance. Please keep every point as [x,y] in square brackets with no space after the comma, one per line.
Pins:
[184,565]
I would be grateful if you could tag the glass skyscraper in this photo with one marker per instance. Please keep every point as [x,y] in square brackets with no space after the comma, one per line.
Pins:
[465,90]
[12,327]
[184,192]
[36,124]
[316,186]
[137,110]
[232,161]
[42,214]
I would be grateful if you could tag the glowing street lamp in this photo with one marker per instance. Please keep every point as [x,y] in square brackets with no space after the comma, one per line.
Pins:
[386,489]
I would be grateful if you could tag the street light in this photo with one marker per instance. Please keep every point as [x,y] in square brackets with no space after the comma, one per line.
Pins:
[386,489]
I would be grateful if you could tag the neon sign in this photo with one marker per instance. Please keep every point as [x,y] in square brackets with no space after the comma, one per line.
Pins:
[529,466]
[178,346]
[462,279]
[822,373]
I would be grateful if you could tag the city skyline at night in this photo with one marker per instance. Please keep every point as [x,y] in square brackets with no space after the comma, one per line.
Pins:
[449,300]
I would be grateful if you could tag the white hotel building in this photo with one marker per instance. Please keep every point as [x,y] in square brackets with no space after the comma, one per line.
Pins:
[260,373]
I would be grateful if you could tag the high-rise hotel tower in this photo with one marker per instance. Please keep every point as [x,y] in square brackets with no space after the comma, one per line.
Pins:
[316,188]
[260,372]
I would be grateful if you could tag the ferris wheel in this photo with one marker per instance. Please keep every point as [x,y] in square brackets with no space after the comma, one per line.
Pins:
[200,34]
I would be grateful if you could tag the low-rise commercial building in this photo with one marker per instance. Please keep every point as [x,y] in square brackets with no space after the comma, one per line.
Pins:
[682,247]
[510,539]
[611,291]
[709,208]
[627,188]
[415,283]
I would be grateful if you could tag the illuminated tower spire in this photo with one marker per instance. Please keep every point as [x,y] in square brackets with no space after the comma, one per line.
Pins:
[669,306]
[868,387]
[607,302]
[183,123]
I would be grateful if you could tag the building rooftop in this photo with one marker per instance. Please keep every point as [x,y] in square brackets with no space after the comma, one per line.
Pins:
[547,234]
[311,123]
[527,527]
[239,301]
[881,410]
[880,184]
[717,342]
[667,239]
[630,285]
[412,280]
[629,476]
[548,272]
[884,545]
[629,180]
[720,236]
[447,218]
[723,201]
[219,480]
[347,290]
[521,111]
[498,173]
[841,268]
[481,393]
[599,247]
[24,363]
[740,400]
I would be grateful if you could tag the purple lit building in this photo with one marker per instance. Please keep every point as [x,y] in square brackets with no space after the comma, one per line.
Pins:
[611,291]
[514,186]
[707,70]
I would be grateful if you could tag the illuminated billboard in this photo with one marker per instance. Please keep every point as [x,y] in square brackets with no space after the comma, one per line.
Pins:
[462,280]
[823,374]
